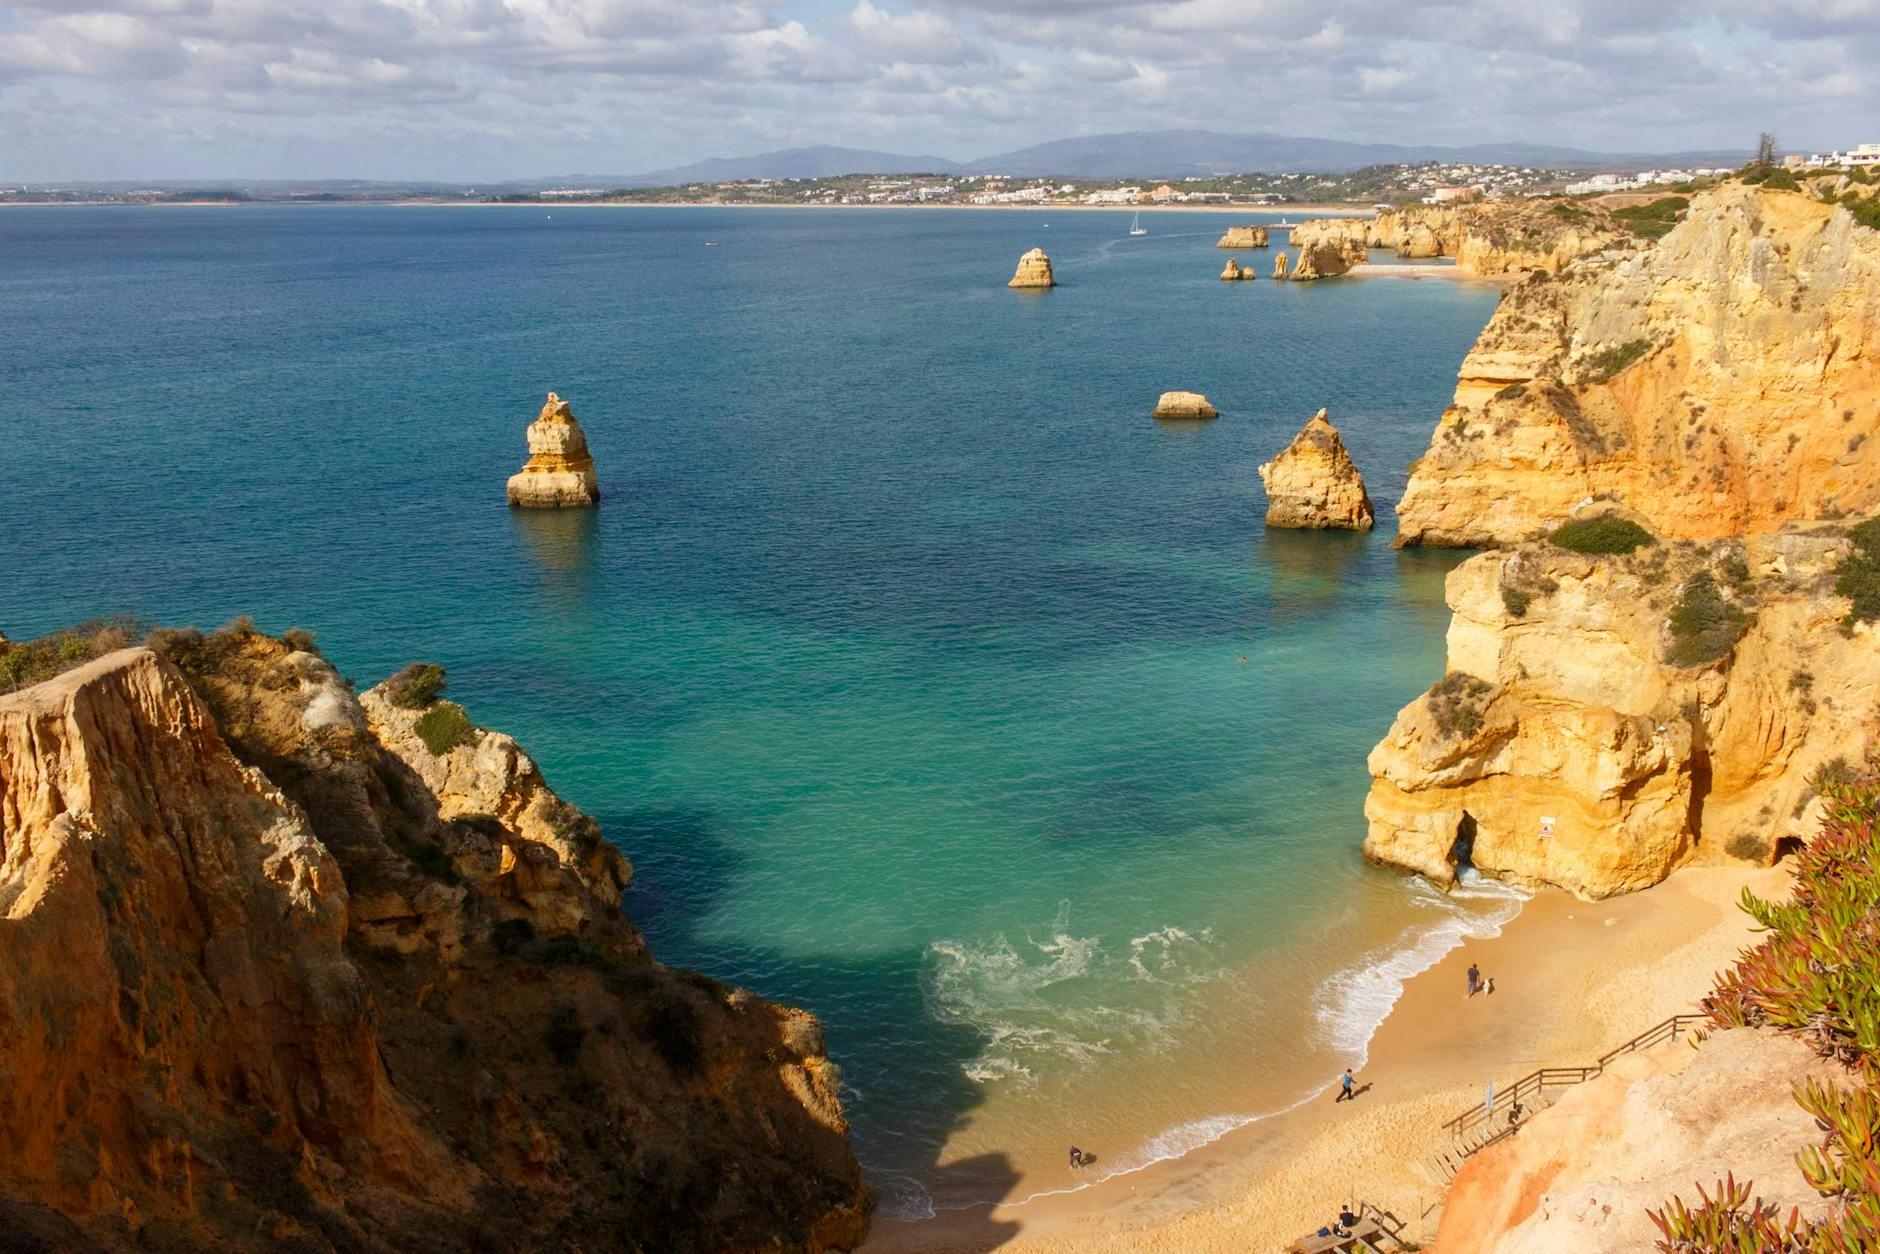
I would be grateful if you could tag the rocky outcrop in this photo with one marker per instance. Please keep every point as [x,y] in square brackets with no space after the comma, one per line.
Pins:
[559,471]
[1233,271]
[1313,484]
[1581,1176]
[267,983]
[1243,237]
[1184,405]
[1724,380]
[1490,238]
[1604,719]
[1034,270]
[1326,261]
[1279,266]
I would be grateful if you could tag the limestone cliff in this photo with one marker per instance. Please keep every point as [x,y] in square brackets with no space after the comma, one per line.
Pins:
[1581,1176]
[1488,238]
[1034,270]
[275,975]
[1605,719]
[1325,261]
[1184,405]
[1313,484]
[560,470]
[1242,237]
[1724,380]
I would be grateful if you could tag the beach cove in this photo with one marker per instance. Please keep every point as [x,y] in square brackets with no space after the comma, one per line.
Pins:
[926,682]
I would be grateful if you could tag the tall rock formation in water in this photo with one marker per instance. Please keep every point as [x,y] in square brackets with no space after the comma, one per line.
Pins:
[1604,719]
[1313,484]
[1034,270]
[559,471]
[1233,271]
[282,969]
[1723,380]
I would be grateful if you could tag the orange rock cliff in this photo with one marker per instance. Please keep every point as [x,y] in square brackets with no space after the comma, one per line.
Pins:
[285,968]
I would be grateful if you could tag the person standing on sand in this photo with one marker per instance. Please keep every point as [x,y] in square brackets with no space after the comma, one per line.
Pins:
[1475,978]
[1344,1088]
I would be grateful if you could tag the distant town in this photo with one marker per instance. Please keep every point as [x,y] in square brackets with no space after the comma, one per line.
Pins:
[1377,185]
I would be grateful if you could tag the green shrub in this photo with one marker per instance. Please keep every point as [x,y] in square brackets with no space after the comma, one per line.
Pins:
[416,686]
[300,640]
[1816,975]
[1747,847]
[1609,363]
[444,727]
[35,661]
[1653,220]
[1516,599]
[1858,577]
[1456,702]
[1704,624]
[1605,534]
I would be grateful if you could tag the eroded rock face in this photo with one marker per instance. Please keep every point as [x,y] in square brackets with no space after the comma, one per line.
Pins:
[559,472]
[1034,270]
[270,984]
[1488,238]
[1243,237]
[1184,405]
[1564,748]
[1313,484]
[1326,261]
[1724,380]
[1581,1176]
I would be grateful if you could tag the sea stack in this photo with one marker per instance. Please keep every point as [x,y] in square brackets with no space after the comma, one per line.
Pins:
[1234,270]
[1034,270]
[1313,484]
[1279,266]
[559,471]
[1185,405]
[1243,237]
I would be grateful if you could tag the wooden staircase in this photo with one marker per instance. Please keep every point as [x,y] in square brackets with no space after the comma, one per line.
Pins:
[1376,1232]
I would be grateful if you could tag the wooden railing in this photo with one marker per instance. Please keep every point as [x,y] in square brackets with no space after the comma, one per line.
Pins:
[1535,1082]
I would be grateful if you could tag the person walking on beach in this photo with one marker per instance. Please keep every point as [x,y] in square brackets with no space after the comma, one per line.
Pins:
[1344,1088]
[1475,979]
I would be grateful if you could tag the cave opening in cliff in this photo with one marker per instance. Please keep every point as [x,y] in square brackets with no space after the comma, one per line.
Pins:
[1462,849]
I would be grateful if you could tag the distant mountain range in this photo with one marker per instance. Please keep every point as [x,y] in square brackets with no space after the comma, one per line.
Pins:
[1149,154]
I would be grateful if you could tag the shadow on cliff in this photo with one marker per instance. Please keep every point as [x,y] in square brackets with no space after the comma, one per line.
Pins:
[903,1081]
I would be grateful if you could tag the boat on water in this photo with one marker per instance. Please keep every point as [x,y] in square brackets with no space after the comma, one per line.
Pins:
[1136,227]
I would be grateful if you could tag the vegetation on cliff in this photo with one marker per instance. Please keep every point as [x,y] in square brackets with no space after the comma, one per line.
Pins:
[1817,977]
[1604,534]
[1859,577]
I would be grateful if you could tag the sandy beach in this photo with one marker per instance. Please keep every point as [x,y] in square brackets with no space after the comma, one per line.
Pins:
[1572,981]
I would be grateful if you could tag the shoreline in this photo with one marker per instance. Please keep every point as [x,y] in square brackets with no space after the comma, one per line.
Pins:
[1316,210]
[1574,979]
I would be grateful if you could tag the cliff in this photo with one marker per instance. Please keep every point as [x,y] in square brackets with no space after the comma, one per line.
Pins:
[1034,270]
[1724,380]
[1324,260]
[1582,1175]
[559,471]
[1488,238]
[1243,237]
[1606,718]
[278,973]
[1313,484]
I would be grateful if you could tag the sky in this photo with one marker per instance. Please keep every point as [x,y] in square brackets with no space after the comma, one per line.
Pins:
[481,90]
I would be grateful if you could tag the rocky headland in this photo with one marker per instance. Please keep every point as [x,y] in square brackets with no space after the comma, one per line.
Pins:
[1508,236]
[1243,237]
[1184,405]
[288,968]
[1720,381]
[560,471]
[1034,270]
[1313,483]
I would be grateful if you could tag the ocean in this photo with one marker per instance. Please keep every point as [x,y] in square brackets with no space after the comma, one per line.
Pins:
[926,681]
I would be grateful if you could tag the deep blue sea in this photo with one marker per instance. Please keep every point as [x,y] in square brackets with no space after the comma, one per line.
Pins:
[926,681]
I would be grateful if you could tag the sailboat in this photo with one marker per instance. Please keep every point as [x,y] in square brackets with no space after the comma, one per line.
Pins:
[1136,227]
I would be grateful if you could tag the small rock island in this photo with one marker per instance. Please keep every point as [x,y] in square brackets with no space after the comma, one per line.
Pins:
[1034,270]
[1234,270]
[1313,485]
[1243,237]
[560,471]
[1185,405]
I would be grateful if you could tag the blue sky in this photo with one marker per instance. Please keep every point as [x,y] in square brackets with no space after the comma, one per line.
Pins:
[487,89]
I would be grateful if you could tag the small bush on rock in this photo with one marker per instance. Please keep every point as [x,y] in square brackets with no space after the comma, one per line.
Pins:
[1704,624]
[1605,534]
[1858,578]
[1456,703]
[445,727]
[416,686]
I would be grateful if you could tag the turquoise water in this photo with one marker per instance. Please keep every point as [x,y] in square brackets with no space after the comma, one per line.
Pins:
[926,681]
